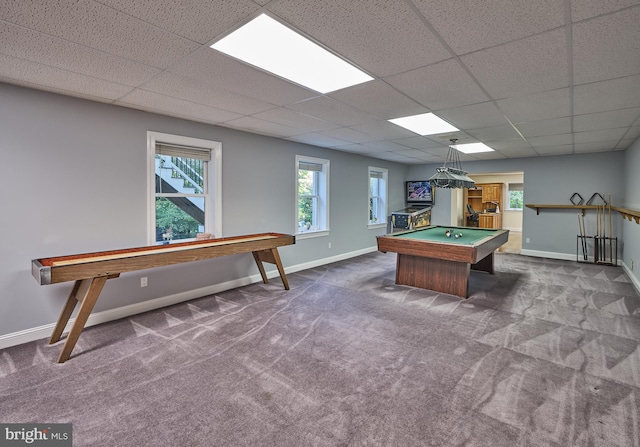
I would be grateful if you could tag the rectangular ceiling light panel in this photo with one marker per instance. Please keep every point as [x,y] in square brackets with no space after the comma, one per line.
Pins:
[473,148]
[425,124]
[271,46]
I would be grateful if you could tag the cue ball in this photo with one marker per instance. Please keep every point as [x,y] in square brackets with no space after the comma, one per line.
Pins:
[457,236]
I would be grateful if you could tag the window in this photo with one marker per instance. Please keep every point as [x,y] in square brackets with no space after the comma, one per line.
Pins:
[185,181]
[312,195]
[516,199]
[377,196]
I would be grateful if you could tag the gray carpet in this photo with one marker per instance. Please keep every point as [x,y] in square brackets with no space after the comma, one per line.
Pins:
[543,353]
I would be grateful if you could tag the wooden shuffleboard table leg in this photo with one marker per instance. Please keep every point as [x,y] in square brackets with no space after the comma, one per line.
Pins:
[272,256]
[85,291]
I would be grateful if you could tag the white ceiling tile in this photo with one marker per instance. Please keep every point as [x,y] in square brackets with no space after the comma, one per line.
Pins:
[537,106]
[198,20]
[418,142]
[535,64]
[584,9]
[518,152]
[325,108]
[607,47]
[318,139]
[34,75]
[252,124]
[624,144]
[510,145]
[621,93]
[383,129]
[563,149]
[212,67]
[358,149]
[469,25]
[34,46]
[599,146]
[385,145]
[348,134]
[439,86]
[474,116]
[486,134]
[550,140]
[606,120]
[157,103]
[98,26]
[378,98]
[394,156]
[171,84]
[381,36]
[291,118]
[545,127]
[633,132]
[599,135]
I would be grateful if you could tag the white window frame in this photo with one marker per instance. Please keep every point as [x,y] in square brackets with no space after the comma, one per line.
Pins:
[381,198]
[508,204]
[321,228]
[213,200]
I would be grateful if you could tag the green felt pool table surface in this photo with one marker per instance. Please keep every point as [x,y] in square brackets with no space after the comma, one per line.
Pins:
[469,236]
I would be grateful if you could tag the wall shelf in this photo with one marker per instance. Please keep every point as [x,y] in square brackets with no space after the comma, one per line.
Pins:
[625,212]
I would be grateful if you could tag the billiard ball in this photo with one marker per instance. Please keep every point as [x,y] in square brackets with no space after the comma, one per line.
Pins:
[447,233]
[457,236]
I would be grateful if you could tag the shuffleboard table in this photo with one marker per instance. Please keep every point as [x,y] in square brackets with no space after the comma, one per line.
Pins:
[90,271]
[427,258]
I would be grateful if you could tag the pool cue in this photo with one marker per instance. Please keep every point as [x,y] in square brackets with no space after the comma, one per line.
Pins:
[586,247]
[582,237]
[596,255]
[610,232]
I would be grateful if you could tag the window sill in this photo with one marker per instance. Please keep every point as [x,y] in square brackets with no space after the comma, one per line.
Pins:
[311,234]
[376,226]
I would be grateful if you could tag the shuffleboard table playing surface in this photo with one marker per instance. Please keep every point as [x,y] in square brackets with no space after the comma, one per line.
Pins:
[90,271]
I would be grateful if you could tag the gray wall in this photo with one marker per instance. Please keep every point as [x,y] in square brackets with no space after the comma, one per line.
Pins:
[630,229]
[553,180]
[74,180]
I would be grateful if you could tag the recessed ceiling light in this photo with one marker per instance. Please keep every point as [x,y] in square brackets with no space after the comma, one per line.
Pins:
[424,124]
[271,46]
[473,148]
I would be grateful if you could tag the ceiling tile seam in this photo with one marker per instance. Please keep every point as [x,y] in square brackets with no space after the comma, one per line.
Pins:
[569,44]
[131,87]
[164,30]
[51,36]
[610,13]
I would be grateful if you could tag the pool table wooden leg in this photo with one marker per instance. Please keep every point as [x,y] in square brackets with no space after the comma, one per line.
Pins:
[485,264]
[434,274]
[272,256]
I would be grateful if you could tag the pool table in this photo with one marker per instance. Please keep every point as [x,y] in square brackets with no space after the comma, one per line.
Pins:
[427,258]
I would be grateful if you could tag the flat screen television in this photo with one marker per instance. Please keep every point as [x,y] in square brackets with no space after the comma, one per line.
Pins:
[419,192]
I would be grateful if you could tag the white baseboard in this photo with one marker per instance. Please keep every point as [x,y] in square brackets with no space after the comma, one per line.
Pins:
[37,333]
[548,254]
[632,277]
[40,332]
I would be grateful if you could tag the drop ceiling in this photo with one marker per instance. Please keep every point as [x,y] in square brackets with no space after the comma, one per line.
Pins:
[526,77]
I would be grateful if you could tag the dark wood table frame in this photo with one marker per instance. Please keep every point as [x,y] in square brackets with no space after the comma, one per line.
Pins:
[441,266]
[90,271]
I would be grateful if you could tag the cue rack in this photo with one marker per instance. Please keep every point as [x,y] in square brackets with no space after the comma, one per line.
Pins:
[605,246]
